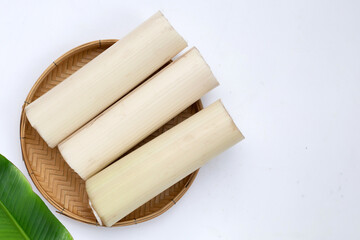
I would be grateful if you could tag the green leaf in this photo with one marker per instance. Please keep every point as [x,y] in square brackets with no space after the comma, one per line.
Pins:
[23,215]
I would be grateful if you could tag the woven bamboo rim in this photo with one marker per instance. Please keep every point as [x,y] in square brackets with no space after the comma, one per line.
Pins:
[55,180]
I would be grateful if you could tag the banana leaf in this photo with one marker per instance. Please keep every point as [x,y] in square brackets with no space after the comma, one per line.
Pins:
[23,215]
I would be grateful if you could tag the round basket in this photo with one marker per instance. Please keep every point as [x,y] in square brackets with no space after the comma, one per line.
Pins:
[56,181]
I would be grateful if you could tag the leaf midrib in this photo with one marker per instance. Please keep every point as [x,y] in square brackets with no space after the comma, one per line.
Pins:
[2,206]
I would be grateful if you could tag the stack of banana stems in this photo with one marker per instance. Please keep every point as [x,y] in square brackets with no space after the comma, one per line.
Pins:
[106,108]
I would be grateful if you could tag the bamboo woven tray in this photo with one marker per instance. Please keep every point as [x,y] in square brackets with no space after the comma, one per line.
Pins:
[55,180]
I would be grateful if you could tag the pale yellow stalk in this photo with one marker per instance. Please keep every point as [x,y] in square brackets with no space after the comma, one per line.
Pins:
[137,115]
[105,79]
[144,173]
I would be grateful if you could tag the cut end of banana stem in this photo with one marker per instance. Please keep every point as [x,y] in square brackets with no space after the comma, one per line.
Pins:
[98,219]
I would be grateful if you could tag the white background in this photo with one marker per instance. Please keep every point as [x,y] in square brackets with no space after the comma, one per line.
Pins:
[290,77]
